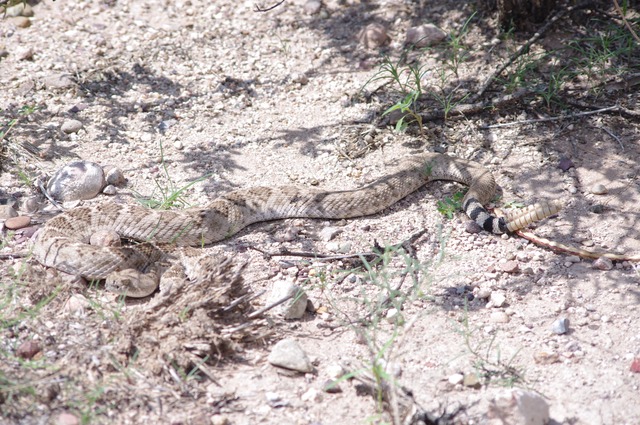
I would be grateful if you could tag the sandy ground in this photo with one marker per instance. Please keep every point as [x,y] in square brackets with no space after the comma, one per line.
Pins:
[173,92]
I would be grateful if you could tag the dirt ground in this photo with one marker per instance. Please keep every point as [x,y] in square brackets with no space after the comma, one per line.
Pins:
[171,92]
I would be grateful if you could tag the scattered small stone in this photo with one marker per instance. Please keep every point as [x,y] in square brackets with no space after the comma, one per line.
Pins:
[288,354]
[635,365]
[295,306]
[71,126]
[299,78]
[78,107]
[499,317]
[274,399]
[331,386]
[471,380]
[565,163]
[497,298]
[114,175]
[373,36]
[456,378]
[472,227]
[67,419]
[21,22]
[424,35]
[311,7]
[28,349]
[344,248]
[77,180]
[328,233]
[25,54]
[518,407]
[509,266]
[573,259]
[484,293]
[109,190]
[546,357]
[219,420]
[312,395]
[15,223]
[335,371]
[599,189]
[58,81]
[76,304]
[602,263]
[7,211]
[20,9]
[560,326]
[597,208]
[393,316]
[178,145]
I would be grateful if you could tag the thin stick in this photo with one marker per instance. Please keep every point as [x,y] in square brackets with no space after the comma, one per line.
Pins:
[610,133]
[564,117]
[633,33]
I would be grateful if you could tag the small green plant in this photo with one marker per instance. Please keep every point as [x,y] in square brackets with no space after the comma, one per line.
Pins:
[458,53]
[489,363]
[170,196]
[449,206]
[408,79]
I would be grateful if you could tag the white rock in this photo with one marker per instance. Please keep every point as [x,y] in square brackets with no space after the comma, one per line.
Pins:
[295,306]
[456,379]
[424,35]
[288,354]
[71,126]
[77,181]
[498,298]
[518,407]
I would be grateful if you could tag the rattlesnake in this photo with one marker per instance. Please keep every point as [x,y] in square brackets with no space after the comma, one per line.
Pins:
[63,242]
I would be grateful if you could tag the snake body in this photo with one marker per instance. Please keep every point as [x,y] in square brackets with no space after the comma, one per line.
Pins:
[63,243]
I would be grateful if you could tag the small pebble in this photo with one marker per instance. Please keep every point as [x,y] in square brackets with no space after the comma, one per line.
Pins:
[58,81]
[109,190]
[560,326]
[28,349]
[546,357]
[373,36]
[424,35]
[311,7]
[114,175]
[599,189]
[288,354]
[15,223]
[456,378]
[499,317]
[328,233]
[471,380]
[509,266]
[498,298]
[331,387]
[71,126]
[67,419]
[597,208]
[602,263]
[295,306]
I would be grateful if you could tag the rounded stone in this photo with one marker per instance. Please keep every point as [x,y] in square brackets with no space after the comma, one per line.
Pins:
[114,175]
[71,126]
[599,189]
[18,222]
[77,181]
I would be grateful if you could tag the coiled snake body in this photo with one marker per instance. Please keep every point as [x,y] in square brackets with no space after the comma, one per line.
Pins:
[63,243]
